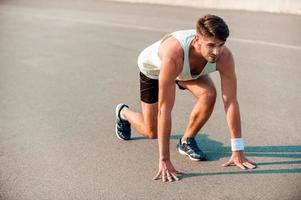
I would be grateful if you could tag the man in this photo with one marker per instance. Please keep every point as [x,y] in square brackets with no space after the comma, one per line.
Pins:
[185,58]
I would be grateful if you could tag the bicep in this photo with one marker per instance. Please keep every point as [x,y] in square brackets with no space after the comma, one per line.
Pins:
[228,80]
[229,87]
[167,87]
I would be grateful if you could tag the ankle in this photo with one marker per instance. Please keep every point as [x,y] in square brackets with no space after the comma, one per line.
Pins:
[122,113]
[183,139]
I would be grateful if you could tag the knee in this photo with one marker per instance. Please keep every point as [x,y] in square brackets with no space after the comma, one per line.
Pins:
[152,133]
[210,96]
[153,137]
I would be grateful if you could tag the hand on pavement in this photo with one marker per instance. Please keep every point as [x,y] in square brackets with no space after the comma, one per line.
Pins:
[238,158]
[167,172]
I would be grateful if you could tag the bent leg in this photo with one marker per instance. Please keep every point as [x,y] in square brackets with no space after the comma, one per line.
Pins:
[146,122]
[204,91]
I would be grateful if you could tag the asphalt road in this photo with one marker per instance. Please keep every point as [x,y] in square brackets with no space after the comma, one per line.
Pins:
[65,65]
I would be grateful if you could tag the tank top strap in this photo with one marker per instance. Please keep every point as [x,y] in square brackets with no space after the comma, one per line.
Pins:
[185,37]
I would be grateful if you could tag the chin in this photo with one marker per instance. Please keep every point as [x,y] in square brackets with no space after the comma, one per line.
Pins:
[211,60]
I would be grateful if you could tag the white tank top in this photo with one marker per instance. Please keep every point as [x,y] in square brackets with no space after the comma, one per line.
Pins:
[149,62]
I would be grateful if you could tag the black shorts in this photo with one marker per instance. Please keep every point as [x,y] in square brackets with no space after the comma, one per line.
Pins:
[149,89]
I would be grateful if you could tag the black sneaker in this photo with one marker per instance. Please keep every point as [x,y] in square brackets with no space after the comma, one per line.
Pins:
[123,127]
[191,149]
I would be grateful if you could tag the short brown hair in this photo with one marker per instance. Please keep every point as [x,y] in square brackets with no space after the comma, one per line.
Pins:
[212,26]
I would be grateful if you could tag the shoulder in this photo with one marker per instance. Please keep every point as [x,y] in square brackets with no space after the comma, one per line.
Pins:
[226,61]
[170,48]
[171,52]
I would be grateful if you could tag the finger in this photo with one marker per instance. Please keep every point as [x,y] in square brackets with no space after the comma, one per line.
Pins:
[249,165]
[230,162]
[240,165]
[168,176]
[174,176]
[163,176]
[253,165]
[252,162]
[158,175]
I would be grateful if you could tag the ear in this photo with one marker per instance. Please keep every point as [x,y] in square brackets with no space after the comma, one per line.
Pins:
[198,37]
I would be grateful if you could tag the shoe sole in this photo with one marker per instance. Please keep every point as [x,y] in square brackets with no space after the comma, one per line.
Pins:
[118,134]
[186,154]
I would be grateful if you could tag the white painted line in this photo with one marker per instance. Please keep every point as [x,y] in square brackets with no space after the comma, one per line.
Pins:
[145,28]
[266,43]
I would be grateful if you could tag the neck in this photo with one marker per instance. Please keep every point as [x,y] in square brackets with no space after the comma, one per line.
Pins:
[194,53]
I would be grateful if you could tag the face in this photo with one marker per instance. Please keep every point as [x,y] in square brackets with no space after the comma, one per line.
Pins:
[209,47]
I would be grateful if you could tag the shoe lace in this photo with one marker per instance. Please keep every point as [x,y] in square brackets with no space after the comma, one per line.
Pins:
[125,125]
[193,145]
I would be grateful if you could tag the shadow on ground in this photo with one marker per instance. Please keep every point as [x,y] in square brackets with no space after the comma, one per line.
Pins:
[216,150]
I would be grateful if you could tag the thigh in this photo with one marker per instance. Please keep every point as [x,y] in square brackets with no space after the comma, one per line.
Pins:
[150,115]
[149,89]
[199,87]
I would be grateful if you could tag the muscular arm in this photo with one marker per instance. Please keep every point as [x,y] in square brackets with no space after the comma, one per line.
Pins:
[229,94]
[170,54]
[166,101]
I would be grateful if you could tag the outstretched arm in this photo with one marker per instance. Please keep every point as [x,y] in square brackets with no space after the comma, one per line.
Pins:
[229,94]
[166,101]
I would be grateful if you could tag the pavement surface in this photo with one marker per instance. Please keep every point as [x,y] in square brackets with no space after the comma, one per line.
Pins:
[64,65]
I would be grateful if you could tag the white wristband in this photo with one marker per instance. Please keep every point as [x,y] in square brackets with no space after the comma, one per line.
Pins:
[237,144]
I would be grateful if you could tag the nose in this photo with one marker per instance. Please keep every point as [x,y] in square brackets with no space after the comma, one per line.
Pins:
[216,51]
